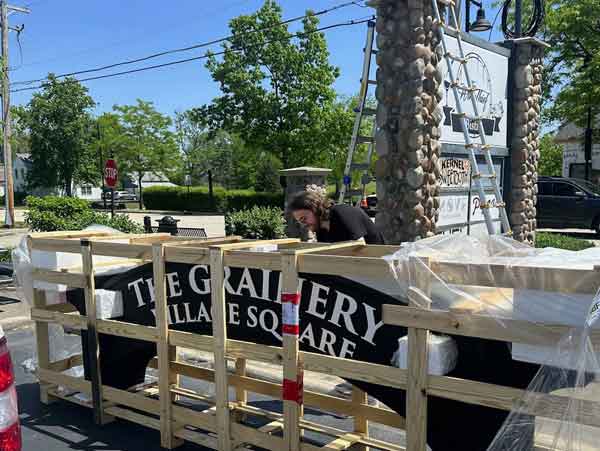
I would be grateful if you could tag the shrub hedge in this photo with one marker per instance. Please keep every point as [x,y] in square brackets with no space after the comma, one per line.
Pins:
[545,239]
[262,223]
[177,198]
[50,213]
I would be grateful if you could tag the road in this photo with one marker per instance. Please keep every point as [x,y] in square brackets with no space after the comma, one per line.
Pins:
[64,426]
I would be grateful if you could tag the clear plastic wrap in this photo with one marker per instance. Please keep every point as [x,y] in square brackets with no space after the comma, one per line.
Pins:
[442,354]
[507,280]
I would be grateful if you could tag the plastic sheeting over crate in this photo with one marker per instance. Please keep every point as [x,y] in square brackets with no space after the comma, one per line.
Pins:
[569,419]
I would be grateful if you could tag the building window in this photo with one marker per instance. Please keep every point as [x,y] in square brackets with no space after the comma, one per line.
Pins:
[86,190]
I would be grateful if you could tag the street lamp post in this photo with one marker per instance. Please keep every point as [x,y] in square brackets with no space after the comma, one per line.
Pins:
[481,23]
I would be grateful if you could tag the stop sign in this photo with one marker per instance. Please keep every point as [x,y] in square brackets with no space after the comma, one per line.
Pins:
[110,173]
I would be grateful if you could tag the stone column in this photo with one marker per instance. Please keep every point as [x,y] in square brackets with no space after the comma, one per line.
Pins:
[301,179]
[409,89]
[525,93]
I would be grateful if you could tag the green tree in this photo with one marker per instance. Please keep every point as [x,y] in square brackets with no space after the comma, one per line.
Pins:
[551,157]
[277,88]
[146,143]
[571,73]
[267,173]
[59,123]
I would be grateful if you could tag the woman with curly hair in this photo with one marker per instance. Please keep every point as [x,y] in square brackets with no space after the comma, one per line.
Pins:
[332,223]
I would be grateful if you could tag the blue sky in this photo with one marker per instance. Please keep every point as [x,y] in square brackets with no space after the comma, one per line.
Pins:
[69,35]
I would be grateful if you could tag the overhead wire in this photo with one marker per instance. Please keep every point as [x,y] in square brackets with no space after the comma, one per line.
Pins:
[192,47]
[351,22]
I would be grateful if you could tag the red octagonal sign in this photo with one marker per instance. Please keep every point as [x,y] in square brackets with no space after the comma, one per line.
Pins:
[110,173]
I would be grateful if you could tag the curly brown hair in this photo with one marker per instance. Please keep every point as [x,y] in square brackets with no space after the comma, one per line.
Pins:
[310,200]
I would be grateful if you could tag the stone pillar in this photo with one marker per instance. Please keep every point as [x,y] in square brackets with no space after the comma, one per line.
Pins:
[301,179]
[525,93]
[409,89]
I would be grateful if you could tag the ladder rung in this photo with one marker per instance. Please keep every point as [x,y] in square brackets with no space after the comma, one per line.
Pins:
[484,176]
[449,28]
[479,146]
[463,87]
[374,51]
[453,57]
[364,140]
[360,166]
[446,2]
[372,82]
[488,205]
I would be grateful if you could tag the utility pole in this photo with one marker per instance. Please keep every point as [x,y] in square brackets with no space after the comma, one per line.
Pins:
[9,199]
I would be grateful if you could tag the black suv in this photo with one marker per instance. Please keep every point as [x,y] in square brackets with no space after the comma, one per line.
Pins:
[564,203]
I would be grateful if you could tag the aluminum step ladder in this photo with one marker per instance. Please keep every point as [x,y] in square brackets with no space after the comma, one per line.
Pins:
[346,193]
[470,88]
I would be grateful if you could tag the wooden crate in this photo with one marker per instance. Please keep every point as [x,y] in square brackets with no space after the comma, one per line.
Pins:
[219,426]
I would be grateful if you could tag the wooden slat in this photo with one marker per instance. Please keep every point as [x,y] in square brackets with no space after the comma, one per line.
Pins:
[343,442]
[42,343]
[373,268]
[253,243]
[141,251]
[65,234]
[167,439]
[61,308]
[190,255]
[93,345]
[324,402]
[198,438]
[74,383]
[249,259]
[73,321]
[219,325]
[518,277]
[480,326]
[65,364]
[190,340]
[291,370]
[357,244]
[361,423]
[130,330]
[70,279]
[416,393]
[134,417]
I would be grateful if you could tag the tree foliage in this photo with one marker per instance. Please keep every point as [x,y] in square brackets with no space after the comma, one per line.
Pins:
[143,142]
[276,89]
[551,157]
[59,123]
[572,64]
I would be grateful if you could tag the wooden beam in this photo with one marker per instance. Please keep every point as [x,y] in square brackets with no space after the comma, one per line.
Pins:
[518,277]
[416,393]
[167,439]
[219,324]
[64,278]
[42,340]
[292,371]
[365,267]
[480,326]
[254,243]
[93,345]
[361,423]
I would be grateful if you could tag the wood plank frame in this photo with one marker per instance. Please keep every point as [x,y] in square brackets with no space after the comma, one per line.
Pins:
[346,259]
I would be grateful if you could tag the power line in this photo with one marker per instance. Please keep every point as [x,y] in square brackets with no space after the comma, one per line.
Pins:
[192,47]
[196,58]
